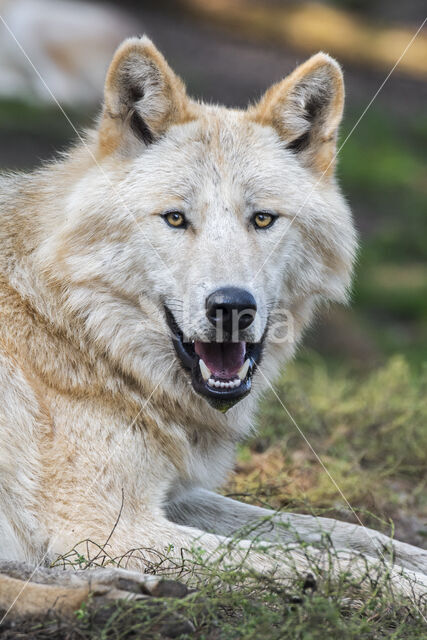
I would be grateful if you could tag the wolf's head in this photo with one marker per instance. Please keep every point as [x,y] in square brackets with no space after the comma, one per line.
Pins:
[209,234]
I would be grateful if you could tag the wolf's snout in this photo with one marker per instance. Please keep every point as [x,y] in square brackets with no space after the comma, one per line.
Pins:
[231,308]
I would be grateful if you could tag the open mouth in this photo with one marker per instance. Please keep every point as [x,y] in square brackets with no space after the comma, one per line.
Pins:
[221,372]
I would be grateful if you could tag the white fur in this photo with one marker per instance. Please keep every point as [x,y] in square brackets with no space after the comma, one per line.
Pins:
[106,411]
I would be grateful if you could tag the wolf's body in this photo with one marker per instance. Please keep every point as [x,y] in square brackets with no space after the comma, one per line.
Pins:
[69,55]
[97,415]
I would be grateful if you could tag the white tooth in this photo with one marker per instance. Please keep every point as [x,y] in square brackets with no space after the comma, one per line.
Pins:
[237,382]
[242,373]
[204,370]
[223,385]
[217,383]
[211,382]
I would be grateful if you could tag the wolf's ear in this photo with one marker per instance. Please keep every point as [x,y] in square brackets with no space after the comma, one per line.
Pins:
[306,109]
[142,98]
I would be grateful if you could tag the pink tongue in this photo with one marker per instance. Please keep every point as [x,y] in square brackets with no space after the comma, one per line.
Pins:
[224,359]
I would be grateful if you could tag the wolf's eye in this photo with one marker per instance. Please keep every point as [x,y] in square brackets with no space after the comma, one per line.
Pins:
[175,219]
[263,220]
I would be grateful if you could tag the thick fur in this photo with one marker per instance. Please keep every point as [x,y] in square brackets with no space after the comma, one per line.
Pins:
[97,417]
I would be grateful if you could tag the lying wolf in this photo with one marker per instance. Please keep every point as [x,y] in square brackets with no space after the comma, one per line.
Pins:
[141,278]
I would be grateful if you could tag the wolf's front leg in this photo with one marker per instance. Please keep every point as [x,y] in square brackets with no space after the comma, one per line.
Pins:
[153,544]
[156,544]
[218,514]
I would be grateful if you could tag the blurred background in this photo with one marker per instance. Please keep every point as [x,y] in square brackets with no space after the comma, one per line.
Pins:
[358,387]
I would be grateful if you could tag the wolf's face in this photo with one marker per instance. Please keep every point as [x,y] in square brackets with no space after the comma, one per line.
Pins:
[228,223]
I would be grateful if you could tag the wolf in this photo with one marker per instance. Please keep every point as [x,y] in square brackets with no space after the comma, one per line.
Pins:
[140,277]
[70,56]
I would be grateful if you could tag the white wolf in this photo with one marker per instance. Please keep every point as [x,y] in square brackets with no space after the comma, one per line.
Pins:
[139,277]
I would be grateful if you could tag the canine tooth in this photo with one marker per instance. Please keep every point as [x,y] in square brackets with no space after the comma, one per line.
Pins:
[237,382]
[242,373]
[211,382]
[204,370]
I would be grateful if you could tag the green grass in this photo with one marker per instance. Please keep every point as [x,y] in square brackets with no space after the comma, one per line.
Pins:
[235,603]
[369,430]
[380,417]
[263,610]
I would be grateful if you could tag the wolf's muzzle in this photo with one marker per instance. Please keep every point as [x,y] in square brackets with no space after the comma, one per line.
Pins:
[221,371]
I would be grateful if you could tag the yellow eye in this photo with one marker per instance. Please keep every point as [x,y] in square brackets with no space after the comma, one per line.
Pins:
[175,219]
[262,220]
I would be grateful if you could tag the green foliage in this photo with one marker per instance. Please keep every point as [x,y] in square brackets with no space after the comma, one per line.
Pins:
[236,603]
[369,431]
[378,419]
[383,172]
[33,118]
[384,153]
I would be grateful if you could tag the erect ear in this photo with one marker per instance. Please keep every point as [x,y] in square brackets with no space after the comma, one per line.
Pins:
[306,108]
[142,98]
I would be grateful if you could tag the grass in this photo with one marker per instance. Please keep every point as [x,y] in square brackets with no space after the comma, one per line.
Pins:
[249,611]
[234,603]
[369,429]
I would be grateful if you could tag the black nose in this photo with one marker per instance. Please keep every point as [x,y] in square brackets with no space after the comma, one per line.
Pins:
[231,309]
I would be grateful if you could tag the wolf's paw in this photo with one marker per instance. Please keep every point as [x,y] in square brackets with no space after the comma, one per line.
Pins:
[28,594]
